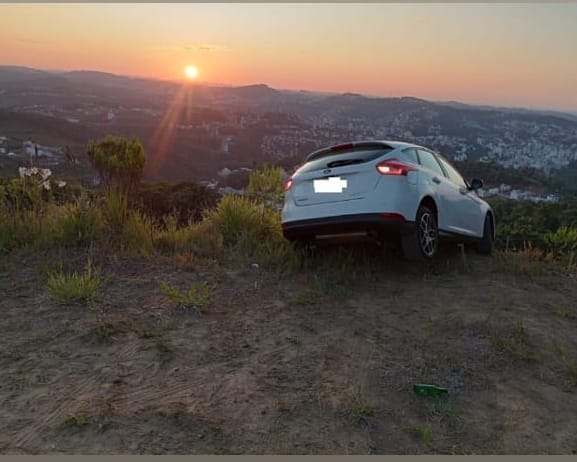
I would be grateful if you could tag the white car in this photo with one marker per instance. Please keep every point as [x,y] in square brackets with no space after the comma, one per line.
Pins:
[385,190]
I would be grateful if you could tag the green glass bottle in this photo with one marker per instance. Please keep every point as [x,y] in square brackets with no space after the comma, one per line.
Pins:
[425,389]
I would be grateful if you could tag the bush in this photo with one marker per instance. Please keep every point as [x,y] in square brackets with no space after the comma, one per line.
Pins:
[78,223]
[115,210]
[138,232]
[239,218]
[118,161]
[22,229]
[252,229]
[563,241]
[173,238]
[207,240]
[266,185]
[186,201]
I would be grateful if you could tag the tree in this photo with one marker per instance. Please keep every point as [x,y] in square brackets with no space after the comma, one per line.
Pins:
[118,161]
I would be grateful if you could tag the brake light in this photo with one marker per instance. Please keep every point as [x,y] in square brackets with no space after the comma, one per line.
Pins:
[394,167]
[288,184]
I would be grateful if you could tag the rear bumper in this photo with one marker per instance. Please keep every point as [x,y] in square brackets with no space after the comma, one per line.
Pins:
[382,224]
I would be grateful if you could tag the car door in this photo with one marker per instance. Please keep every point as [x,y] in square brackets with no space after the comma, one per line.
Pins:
[433,178]
[467,203]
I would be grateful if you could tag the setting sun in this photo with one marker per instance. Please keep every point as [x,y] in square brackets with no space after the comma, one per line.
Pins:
[191,72]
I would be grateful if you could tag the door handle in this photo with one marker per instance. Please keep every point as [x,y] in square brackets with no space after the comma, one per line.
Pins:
[436,180]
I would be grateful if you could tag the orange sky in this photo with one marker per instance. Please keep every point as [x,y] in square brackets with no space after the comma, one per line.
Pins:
[517,55]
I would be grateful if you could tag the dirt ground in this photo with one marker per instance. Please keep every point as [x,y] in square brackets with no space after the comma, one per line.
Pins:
[276,366]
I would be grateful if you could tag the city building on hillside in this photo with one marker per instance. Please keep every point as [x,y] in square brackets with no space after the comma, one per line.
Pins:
[226,144]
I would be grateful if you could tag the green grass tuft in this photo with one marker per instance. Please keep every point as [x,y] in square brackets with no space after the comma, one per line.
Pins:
[75,287]
[198,296]
[515,344]
[424,434]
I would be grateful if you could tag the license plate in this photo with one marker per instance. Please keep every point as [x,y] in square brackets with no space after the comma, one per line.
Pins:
[330,185]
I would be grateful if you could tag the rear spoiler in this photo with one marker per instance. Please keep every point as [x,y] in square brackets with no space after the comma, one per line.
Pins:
[332,150]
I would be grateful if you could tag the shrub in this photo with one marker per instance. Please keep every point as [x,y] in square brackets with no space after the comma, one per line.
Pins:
[207,240]
[78,223]
[240,219]
[563,241]
[118,161]
[266,185]
[19,229]
[173,238]
[115,210]
[186,201]
[137,235]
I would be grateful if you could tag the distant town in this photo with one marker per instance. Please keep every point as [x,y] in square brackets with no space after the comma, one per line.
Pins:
[219,133]
[47,156]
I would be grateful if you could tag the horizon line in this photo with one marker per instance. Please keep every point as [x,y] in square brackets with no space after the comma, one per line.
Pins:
[476,105]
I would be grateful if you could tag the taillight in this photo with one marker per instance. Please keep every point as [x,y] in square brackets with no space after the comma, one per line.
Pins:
[288,184]
[394,167]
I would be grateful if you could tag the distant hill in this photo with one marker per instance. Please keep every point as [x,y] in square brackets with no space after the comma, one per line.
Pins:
[19,74]
[208,126]
[14,77]
[251,91]
[455,104]
[351,104]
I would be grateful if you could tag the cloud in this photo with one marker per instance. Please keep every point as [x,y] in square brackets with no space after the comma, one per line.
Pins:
[205,47]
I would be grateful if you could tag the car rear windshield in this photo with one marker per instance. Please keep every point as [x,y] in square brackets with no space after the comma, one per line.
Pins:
[342,158]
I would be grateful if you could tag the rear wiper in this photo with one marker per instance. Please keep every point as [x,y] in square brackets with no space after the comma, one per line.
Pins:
[340,163]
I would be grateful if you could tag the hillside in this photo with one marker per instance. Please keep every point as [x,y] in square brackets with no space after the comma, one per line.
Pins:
[169,320]
[196,130]
[318,361]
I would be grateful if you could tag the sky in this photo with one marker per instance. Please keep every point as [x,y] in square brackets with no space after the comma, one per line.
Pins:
[522,55]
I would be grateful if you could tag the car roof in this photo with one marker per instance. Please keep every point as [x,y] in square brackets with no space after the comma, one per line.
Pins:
[359,144]
[400,144]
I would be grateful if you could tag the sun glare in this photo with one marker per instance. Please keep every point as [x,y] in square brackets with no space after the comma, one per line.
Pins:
[191,72]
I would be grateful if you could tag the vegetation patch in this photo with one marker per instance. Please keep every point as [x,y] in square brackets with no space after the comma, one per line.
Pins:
[514,343]
[360,409]
[197,297]
[249,365]
[424,434]
[74,287]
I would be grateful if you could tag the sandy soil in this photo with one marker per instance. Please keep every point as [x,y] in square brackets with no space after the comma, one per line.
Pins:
[277,366]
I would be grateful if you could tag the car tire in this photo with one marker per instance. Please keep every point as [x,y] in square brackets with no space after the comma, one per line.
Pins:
[485,245]
[423,242]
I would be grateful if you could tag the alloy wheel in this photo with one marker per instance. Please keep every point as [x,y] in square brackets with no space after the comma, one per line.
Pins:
[428,234]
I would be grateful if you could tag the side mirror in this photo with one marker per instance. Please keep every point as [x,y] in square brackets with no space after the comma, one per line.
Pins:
[476,183]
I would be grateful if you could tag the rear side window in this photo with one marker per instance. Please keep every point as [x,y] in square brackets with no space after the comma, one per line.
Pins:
[410,155]
[343,158]
[428,161]
[454,176]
